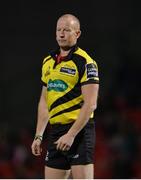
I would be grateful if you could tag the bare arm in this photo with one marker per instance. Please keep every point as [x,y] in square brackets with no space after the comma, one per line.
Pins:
[43,116]
[90,93]
[42,121]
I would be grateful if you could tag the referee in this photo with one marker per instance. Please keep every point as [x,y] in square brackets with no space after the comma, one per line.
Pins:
[68,100]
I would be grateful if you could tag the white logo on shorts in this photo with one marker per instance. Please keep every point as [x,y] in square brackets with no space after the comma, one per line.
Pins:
[75,156]
[47,156]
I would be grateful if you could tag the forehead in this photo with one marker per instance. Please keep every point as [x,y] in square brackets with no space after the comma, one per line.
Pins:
[65,22]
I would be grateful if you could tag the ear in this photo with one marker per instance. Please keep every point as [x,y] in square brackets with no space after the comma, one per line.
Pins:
[78,33]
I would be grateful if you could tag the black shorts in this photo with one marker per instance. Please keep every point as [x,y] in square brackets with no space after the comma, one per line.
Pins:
[80,153]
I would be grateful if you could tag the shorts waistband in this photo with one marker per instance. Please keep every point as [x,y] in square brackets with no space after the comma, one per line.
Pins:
[60,124]
[91,120]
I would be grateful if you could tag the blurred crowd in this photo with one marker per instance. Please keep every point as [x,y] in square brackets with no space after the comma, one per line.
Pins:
[114,37]
[118,144]
[16,159]
[117,154]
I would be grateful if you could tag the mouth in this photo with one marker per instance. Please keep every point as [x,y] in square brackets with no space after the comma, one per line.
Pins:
[62,40]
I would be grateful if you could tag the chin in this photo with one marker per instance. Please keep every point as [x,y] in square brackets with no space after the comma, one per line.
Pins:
[65,48]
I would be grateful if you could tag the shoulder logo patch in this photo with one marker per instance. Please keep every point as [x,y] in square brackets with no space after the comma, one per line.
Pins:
[91,70]
[67,70]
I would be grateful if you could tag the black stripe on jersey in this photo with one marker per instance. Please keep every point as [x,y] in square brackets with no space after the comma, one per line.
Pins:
[76,91]
[91,81]
[80,62]
[73,93]
[75,107]
[43,83]
[47,59]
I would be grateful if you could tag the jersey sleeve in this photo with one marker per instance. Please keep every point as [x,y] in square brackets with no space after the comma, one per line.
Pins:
[44,72]
[43,78]
[90,74]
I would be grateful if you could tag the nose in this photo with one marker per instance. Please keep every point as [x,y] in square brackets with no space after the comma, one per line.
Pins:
[62,33]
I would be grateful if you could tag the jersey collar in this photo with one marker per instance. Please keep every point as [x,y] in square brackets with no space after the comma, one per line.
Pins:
[68,57]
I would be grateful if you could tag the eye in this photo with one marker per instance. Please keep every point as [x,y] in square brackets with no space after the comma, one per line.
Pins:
[58,29]
[67,30]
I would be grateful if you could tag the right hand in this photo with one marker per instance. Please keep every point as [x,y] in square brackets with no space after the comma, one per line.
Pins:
[36,147]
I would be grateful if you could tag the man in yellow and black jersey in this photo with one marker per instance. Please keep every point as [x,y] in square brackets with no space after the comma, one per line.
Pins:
[68,100]
[64,81]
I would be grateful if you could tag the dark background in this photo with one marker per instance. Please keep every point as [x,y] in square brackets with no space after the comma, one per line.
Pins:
[111,33]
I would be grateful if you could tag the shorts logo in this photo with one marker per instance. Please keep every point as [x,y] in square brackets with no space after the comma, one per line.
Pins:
[47,156]
[92,71]
[56,85]
[68,70]
[75,156]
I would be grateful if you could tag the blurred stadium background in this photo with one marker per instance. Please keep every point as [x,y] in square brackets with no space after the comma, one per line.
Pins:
[111,33]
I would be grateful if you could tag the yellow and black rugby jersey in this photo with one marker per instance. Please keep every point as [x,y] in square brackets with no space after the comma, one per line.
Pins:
[64,81]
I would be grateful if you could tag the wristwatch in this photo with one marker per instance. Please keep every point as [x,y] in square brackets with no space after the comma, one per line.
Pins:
[38,137]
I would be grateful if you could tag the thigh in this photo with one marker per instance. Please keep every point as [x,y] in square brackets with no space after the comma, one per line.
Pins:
[52,173]
[83,171]
[55,158]
[82,150]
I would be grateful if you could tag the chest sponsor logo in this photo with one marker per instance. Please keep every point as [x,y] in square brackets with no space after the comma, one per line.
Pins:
[68,70]
[91,71]
[56,85]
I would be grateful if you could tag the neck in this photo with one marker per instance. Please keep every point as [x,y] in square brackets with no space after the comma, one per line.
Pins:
[64,52]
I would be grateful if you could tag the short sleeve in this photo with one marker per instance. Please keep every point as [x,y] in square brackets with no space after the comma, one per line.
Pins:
[44,71]
[43,77]
[90,73]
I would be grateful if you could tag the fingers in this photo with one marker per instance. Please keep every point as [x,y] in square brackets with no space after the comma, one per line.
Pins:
[59,146]
[66,147]
[36,149]
[62,146]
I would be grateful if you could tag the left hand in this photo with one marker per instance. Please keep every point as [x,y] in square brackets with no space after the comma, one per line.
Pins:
[64,142]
